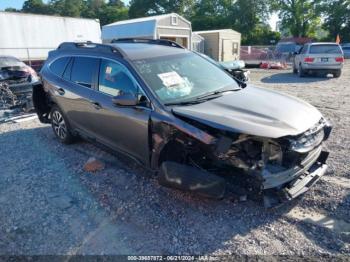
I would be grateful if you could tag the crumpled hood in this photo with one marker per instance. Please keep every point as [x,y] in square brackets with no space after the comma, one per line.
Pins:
[254,111]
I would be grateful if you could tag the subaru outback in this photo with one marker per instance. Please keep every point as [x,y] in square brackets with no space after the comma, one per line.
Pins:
[176,113]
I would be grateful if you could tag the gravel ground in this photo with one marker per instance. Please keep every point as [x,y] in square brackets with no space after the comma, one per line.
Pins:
[49,205]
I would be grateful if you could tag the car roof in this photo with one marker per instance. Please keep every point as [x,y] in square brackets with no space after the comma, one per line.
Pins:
[138,51]
[324,43]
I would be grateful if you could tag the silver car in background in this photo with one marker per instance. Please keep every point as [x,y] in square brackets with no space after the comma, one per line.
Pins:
[326,58]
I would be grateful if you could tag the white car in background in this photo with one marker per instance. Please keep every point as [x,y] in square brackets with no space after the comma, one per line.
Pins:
[326,58]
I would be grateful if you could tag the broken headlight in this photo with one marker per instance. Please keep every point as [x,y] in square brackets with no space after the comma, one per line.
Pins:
[311,138]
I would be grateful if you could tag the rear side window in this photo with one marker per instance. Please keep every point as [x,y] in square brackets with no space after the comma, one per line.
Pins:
[84,70]
[59,65]
[325,49]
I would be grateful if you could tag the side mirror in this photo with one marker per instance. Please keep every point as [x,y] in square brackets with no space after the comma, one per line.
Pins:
[125,99]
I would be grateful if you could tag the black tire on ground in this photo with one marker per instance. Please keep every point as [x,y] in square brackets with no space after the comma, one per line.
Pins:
[295,70]
[301,72]
[337,74]
[60,126]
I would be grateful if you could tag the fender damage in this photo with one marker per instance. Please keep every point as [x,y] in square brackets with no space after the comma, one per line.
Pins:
[211,161]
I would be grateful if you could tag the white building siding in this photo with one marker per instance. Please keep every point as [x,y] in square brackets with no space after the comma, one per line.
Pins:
[37,34]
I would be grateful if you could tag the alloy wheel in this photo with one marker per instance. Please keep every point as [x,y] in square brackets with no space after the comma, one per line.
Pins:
[59,124]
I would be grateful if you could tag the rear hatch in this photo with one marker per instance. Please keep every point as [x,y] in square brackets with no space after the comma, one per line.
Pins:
[326,54]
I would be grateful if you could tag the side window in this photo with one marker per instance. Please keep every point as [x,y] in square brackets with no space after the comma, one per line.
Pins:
[83,70]
[67,72]
[58,66]
[114,79]
[304,50]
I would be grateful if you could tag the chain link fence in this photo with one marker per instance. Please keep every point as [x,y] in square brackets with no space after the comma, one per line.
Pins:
[257,55]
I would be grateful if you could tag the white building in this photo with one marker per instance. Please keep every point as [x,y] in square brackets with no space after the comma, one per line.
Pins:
[197,43]
[221,45]
[30,37]
[169,26]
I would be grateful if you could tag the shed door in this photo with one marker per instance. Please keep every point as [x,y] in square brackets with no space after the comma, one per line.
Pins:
[228,48]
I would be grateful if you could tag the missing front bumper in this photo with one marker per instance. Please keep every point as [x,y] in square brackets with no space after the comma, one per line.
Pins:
[298,186]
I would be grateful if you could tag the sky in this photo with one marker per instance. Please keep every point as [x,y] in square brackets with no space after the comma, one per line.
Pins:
[18,4]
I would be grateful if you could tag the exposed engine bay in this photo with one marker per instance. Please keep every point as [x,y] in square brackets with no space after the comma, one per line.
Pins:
[262,168]
[10,100]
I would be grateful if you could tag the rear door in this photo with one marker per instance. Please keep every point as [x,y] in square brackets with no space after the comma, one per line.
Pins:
[123,128]
[79,79]
[325,54]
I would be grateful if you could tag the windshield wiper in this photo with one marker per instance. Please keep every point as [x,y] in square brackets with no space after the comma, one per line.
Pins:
[201,99]
[184,103]
[216,93]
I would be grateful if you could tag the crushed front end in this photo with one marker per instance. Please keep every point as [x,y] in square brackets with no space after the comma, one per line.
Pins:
[273,170]
[283,168]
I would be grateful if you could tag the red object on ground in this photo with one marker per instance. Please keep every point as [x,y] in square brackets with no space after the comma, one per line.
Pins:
[273,65]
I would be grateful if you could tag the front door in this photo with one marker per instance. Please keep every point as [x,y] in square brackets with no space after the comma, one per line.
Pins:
[120,127]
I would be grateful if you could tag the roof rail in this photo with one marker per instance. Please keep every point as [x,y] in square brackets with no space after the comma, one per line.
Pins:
[89,44]
[148,41]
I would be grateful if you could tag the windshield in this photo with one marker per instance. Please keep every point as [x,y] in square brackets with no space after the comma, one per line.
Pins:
[325,49]
[287,48]
[183,77]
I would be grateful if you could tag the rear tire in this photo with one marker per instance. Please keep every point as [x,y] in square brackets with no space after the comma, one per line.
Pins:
[337,74]
[301,72]
[60,126]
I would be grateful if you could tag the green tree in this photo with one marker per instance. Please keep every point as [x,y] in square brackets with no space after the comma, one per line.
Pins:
[337,19]
[72,8]
[299,17]
[34,6]
[141,8]
[10,9]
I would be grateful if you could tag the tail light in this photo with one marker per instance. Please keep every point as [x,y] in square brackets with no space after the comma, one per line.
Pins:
[340,59]
[309,60]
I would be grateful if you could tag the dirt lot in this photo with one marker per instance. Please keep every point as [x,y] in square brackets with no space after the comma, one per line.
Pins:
[49,205]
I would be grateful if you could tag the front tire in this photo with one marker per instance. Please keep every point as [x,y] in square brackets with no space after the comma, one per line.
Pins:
[60,126]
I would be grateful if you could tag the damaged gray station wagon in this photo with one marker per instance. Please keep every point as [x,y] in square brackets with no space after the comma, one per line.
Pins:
[184,117]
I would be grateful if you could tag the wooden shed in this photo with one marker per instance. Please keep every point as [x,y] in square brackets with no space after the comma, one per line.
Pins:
[221,45]
[197,43]
[169,26]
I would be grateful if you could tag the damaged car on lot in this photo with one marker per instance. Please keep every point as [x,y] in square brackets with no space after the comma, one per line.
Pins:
[16,83]
[185,118]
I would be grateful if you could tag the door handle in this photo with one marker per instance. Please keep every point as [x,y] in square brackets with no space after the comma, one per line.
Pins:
[96,105]
[61,91]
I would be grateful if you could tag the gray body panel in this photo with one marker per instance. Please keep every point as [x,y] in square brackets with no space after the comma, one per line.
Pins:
[255,111]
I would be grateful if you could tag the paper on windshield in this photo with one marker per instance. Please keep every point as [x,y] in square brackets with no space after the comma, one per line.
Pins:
[171,79]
